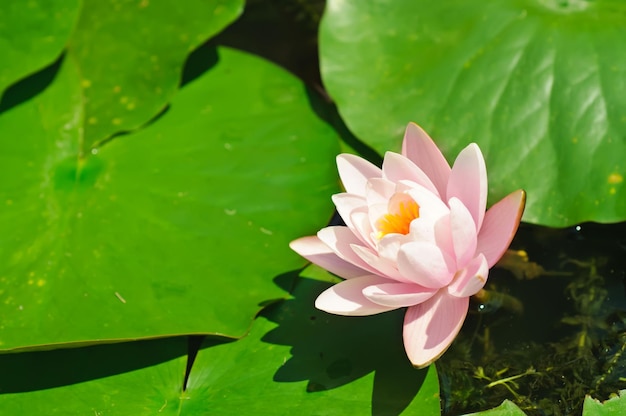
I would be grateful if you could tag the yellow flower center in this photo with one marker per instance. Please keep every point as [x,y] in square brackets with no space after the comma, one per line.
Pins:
[398,221]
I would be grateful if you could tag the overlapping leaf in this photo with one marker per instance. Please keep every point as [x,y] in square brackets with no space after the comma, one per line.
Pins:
[32,35]
[539,85]
[178,228]
[317,363]
[295,360]
[130,55]
[138,378]
[613,406]
[507,408]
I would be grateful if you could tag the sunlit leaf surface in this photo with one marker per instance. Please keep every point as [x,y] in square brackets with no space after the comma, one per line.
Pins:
[313,362]
[136,378]
[613,406]
[178,228]
[32,35]
[507,408]
[539,85]
[130,55]
[295,360]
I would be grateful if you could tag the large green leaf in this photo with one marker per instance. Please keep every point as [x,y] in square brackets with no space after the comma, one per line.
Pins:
[337,366]
[178,228]
[539,85]
[313,363]
[32,35]
[130,54]
[613,406]
[135,378]
[507,408]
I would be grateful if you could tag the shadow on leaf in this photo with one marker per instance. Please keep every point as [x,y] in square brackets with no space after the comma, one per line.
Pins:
[330,351]
[29,87]
[39,370]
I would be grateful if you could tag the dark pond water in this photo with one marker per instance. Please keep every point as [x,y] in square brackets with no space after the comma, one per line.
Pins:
[550,328]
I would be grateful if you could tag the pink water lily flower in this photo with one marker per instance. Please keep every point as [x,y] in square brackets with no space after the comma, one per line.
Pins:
[416,236]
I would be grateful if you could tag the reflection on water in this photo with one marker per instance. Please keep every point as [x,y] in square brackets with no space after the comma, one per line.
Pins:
[549,328]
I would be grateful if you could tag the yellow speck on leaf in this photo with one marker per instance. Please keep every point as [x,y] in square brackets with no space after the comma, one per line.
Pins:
[615,178]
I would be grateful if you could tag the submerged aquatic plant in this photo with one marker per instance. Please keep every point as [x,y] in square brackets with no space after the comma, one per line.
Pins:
[417,235]
[549,356]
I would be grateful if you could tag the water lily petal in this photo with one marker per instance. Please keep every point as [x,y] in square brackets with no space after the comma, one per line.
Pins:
[397,168]
[346,298]
[355,171]
[379,190]
[423,231]
[471,279]
[431,209]
[425,264]
[443,236]
[463,231]
[315,251]
[376,212]
[380,265]
[500,225]
[346,204]
[389,245]
[431,326]
[420,148]
[431,206]
[361,222]
[468,182]
[398,295]
[377,194]
[339,239]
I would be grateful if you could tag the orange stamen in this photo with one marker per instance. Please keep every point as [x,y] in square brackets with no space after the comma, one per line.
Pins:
[398,222]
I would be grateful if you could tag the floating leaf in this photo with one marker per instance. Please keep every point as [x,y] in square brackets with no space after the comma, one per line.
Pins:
[507,408]
[135,378]
[312,360]
[130,54]
[32,35]
[176,229]
[540,86]
[613,406]
[328,371]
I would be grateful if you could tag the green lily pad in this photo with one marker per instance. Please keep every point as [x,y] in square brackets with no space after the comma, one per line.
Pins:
[613,406]
[539,85]
[507,408]
[32,35]
[176,229]
[315,363]
[130,54]
[134,378]
[325,372]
